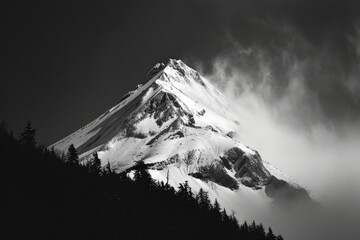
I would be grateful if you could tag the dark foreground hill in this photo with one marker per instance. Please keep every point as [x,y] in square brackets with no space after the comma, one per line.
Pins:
[48,196]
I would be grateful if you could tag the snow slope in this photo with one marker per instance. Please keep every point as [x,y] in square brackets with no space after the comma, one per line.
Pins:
[179,123]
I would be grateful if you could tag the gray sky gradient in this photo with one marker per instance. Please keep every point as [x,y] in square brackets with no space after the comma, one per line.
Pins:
[64,63]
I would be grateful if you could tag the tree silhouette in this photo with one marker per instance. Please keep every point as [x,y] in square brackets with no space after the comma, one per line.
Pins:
[189,159]
[95,164]
[216,206]
[142,175]
[72,155]
[270,235]
[75,204]
[185,191]
[225,217]
[203,199]
[244,227]
[108,168]
[279,237]
[27,136]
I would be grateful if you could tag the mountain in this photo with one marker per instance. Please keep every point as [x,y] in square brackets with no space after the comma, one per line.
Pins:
[183,128]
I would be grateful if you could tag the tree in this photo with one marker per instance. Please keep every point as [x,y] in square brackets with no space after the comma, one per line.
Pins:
[244,227]
[216,210]
[189,159]
[225,217]
[279,237]
[252,227]
[72,155]
[217,206]
[203,199]
[233,220]
[142,175]
[27,137]
[185,191]
[108,168]
[95,165]
[167,178]
[260,230]
[270,235]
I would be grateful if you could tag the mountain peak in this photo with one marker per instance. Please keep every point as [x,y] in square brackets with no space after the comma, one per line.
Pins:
[173,61]
[176,64]
[179,124]
[183,129]
[177,69]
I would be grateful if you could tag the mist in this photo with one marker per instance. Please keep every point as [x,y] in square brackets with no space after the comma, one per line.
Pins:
[299,111]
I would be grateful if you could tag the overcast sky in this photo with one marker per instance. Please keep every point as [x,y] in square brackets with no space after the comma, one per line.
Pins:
[64,63]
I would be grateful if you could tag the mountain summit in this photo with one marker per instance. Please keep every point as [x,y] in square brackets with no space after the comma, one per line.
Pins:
[183,128]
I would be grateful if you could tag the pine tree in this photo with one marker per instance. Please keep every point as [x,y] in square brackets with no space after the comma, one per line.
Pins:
[225,217]
[199,195]
[142,175]
[260,229]
[270,235]
[95,163]
[108,168]
[27,137]
[185,191]
[203,199]
[279,237]
[252,227]
[234,221]
[244,227]
[72,156]
[216,210]
[216,207]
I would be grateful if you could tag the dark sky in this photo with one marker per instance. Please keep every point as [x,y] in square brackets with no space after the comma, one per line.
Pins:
[66,62]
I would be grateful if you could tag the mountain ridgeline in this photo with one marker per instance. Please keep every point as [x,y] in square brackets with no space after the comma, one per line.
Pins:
[52,196]
[178,122]
[184,129]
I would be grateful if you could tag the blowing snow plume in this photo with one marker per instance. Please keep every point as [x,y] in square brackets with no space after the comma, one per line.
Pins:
[300,111]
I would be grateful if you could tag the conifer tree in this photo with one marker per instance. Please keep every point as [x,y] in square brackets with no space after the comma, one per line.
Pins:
[260,230]
[185,191]
[216,206]
[72,155]
[244,227]
[234,221]
[142,175]
[95,163]
[27,137]
[279,237]
[252,227]
[198,195]
[216,210]
[225,217]
[270,235]
[204,200]
[108,168]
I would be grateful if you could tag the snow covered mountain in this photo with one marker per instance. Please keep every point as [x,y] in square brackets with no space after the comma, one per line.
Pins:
[182,126]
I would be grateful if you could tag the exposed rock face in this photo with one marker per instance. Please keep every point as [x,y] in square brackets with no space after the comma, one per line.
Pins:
[282,191]
[216,173]
[249,168]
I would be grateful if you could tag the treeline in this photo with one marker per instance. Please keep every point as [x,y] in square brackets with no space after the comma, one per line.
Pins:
[52,196]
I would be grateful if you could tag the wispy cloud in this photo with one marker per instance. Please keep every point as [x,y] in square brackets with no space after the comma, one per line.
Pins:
[284,97]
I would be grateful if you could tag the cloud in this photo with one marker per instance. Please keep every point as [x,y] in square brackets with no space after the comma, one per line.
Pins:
[288,125]
[298,110]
